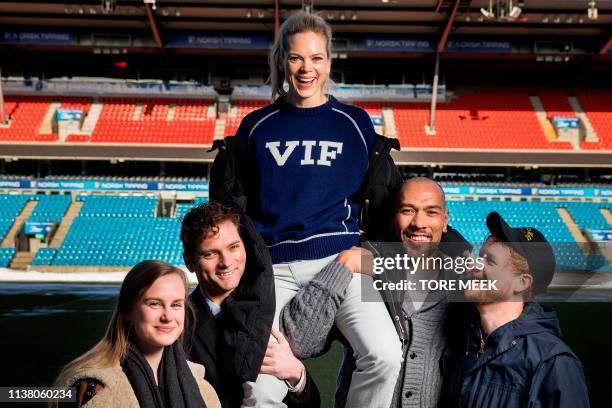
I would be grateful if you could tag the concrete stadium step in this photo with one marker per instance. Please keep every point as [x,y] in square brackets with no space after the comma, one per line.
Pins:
[233,111]
[66,223]
[11,235]
[22,260]
[607,215]
[89,124]
[590,136]
[46,127]
[137,113]
[171,112]
[219,129]
[575,230]
[212,111]
[389,129]
[545,124]
[540,112]
[607,249]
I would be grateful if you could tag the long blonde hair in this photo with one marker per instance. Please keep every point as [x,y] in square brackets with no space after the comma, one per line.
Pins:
[299,22]
[114,345]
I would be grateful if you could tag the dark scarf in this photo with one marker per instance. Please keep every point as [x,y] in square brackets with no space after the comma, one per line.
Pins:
[177,386]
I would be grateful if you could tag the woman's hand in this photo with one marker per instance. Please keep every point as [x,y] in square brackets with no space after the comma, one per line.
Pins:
[357,260]
[280,362]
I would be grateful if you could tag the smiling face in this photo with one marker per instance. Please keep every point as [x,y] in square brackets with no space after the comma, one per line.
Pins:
[500,266]
[420,216]
[308,68]
[219,262]
[157,320]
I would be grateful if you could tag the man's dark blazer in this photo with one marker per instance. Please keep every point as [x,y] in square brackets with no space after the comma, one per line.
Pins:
[232,345]
[203,350]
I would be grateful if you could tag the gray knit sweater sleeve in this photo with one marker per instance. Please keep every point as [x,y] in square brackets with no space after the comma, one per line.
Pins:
[308,318]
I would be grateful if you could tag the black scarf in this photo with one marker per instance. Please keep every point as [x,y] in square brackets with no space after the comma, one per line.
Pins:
[177,386]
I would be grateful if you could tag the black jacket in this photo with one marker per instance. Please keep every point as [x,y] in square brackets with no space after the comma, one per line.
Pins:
[229,181]
[235,343]
[523,363]
[242,334]
[205,345]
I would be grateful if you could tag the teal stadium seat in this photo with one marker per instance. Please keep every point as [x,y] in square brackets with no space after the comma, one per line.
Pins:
[10,207]
[50,208]
[120,231]
[183,208]
[44,256]
[6,254]
[469,218]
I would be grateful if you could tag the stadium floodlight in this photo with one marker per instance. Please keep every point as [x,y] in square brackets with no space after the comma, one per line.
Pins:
[108,6]
[592,12]
[151,2]
[515,12]
[488,13]
[308,6]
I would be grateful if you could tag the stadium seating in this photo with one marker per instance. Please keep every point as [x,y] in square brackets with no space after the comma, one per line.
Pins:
[120,241]
[43,257]
[588,216]
[119,231]
[10,207]
[76,103]
[486,119]
[373,108]
[598,107]
[242,108]
[469,218]
[556,104]
[117,206]
[183,208]
[125,120]
[26,114]
[6,254]
[50,208]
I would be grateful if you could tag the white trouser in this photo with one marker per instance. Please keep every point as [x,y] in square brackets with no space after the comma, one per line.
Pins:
[366,325]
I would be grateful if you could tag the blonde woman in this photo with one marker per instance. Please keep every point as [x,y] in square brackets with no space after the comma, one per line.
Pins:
[139,362]
[304,157]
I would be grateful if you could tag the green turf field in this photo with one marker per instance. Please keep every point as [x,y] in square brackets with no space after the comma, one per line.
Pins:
[44,326]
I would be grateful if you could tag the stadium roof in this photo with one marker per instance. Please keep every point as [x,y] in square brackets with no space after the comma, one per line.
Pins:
[438,18]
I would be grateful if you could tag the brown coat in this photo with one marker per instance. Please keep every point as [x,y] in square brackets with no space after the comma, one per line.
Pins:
[117,391]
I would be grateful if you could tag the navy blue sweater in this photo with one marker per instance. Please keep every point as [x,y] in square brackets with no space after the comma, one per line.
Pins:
[304,165]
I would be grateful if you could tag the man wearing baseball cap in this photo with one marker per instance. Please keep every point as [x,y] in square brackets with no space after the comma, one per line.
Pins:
[509,354]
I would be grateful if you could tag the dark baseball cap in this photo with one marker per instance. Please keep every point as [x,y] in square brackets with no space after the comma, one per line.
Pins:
[453,243]
[531,244]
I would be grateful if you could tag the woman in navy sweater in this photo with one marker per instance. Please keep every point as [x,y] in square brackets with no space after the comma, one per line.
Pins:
[306,155]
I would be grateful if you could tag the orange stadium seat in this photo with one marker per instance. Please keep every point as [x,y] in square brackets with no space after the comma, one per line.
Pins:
[373,108]
[598,107]
[556,104]
[26,114]
[189,124]
[486,119]
[243,108]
